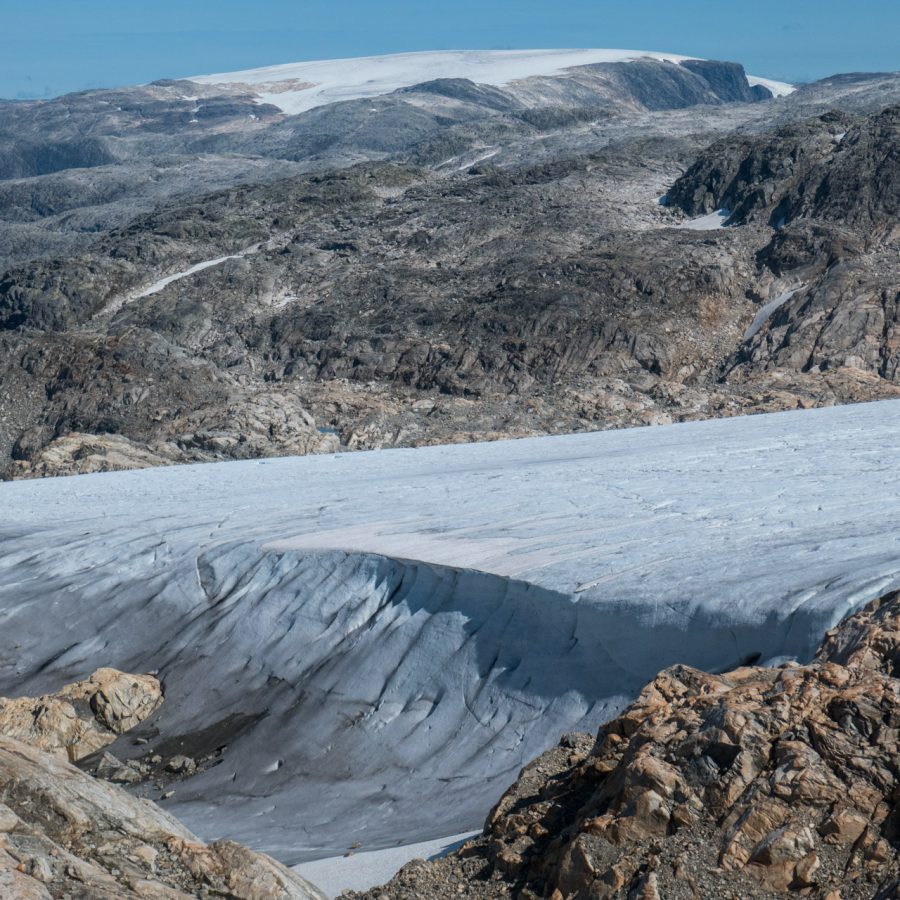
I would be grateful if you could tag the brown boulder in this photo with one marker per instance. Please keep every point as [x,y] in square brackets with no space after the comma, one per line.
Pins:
[82,717]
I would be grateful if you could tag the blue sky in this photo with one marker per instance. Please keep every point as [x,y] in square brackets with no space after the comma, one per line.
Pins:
[54,46]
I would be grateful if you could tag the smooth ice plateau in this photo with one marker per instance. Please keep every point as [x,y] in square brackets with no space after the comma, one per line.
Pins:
[386,637]
[298,87]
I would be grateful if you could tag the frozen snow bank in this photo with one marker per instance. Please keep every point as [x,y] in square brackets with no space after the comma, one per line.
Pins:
[297,87]
[778,88]
[361,871]
[709,222]
[765,312]
[163,283]
[383,638]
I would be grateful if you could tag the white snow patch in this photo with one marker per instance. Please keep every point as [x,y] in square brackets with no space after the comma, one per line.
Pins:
[361,871]
[778,88]
[709,222]
[479,159]
[163,283]
[298,87]
[766,311]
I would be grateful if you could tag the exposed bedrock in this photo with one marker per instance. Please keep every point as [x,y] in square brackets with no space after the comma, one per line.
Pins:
[341,699]
[82,717]
[65,834]
[837,168]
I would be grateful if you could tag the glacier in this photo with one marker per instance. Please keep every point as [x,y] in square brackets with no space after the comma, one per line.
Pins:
[382,639]
[297,87]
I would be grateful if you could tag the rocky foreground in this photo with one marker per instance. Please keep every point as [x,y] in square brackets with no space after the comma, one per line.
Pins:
[756,783]
[66,834]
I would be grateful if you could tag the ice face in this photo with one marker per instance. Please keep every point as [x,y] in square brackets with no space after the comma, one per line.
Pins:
[382,639]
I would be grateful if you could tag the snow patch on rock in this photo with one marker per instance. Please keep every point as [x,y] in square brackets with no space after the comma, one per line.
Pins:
[778,88]
[765,312]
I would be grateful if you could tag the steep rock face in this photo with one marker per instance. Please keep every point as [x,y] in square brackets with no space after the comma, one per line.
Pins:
[836,169]
[831,188]
[751,784]
[848,319]
[654,85]
[760,177]
[728,80]
[82,717]
[861,185]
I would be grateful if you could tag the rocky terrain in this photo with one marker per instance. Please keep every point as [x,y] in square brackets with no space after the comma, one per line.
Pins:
[82,717]
[756,783]
[501,267]
[354,653]
[66,834]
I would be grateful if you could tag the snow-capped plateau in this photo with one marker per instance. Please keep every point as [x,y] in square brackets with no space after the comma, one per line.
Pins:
[297,87]
[380,640]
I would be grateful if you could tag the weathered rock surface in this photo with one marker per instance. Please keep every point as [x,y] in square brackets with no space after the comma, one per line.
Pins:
[82,717]
[829,187]
[65,834]
[839,169]
[751,784]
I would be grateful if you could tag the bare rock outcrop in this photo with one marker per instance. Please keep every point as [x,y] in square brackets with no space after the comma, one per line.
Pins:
[475,287]
[65,834]
[836,168]
[751,784]
[84,716]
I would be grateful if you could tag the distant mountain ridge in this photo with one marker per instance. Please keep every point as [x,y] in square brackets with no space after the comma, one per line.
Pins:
[346,112]
[298,87]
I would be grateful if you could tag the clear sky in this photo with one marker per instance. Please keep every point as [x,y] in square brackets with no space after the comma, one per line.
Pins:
[54,46]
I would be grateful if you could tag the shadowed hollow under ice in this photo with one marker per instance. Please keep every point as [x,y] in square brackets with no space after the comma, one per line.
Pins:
[386,637]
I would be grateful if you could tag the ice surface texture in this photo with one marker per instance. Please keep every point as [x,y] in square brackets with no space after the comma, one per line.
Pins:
[392,634]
